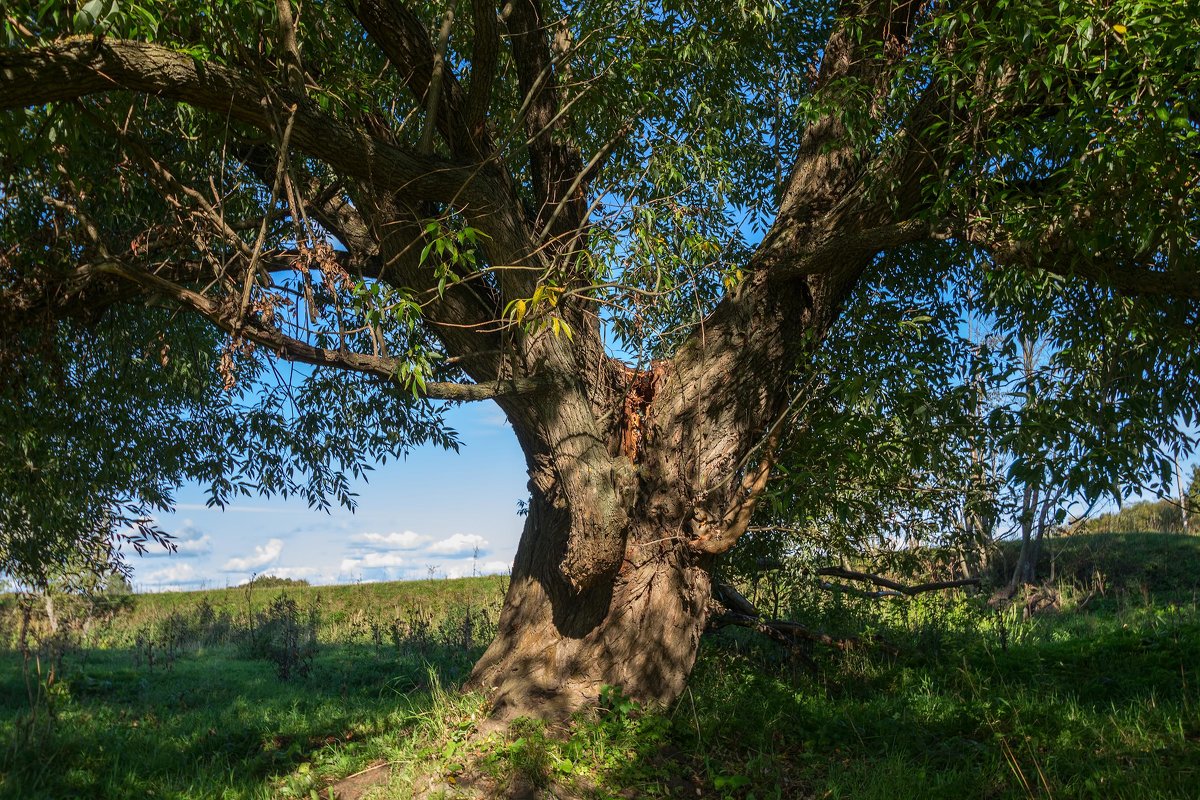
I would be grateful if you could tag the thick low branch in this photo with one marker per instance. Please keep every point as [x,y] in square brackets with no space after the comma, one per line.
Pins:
[792,632]
[734,600]
[887,583]
[82,66]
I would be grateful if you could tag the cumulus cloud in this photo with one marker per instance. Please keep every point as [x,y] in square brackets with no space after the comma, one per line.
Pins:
[461,570]
[190,542]
[263,555]
[291,572]
[372,561]
[460,544]
[406,540]
[192,548]
[174,574]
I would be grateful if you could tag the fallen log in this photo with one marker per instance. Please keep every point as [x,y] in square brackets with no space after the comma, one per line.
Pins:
[743,614]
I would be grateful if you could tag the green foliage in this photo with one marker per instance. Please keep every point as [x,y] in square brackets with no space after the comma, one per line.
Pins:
[106,415]
[214,662]
[1193,489]
[274,582]
[928,417]
[285,637]
[1121,563]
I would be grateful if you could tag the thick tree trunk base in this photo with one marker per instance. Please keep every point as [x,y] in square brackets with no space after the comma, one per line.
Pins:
[555,651]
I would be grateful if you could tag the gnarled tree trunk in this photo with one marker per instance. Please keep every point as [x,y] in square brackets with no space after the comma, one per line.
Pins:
[611,580]
[556,648]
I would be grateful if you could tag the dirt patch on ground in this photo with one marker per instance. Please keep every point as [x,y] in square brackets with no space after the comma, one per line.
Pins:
[360,784]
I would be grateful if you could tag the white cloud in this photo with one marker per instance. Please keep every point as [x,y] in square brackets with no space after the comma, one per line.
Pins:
[189,541]
[291,572]
[460,544]
[495,567]
[406,540]
[174,574]
[191,548]
[263,555]
[371,561]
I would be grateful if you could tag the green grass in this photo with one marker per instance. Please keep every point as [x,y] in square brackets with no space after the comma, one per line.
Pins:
[214,725]
[347,612]
[1165,564]
[1103,706]
[1098,702]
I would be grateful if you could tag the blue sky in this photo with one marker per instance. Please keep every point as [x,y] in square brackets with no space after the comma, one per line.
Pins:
[417,517]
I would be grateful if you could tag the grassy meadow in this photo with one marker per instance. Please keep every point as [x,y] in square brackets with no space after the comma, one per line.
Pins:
[351,691]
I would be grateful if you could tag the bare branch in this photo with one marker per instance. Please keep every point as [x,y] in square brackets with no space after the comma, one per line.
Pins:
[743,614]
[789,632]
[887,583]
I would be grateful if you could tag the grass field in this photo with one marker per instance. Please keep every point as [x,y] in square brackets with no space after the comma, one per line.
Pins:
[181,695]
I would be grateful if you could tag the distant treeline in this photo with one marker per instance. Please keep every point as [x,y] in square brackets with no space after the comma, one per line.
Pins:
[1151,516]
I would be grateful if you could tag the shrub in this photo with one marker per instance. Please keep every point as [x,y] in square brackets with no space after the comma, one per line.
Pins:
[285,637]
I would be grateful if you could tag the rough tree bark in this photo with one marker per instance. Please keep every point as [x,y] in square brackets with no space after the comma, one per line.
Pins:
[623,602]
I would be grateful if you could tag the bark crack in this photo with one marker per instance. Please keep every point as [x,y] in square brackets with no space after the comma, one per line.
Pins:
[641,389]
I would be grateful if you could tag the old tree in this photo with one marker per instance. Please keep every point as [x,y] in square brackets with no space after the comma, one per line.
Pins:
[442,202]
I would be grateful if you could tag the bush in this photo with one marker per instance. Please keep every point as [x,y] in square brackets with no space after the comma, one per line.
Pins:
[285,637]
[273,582]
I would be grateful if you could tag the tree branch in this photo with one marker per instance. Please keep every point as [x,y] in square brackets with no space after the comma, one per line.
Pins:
[287,42]
[887,583]
[554,162]
[81,66]
[225,317]
[841,247]
[403,39]
[485,57]
[743,614]
[1060,255]
[433,99]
